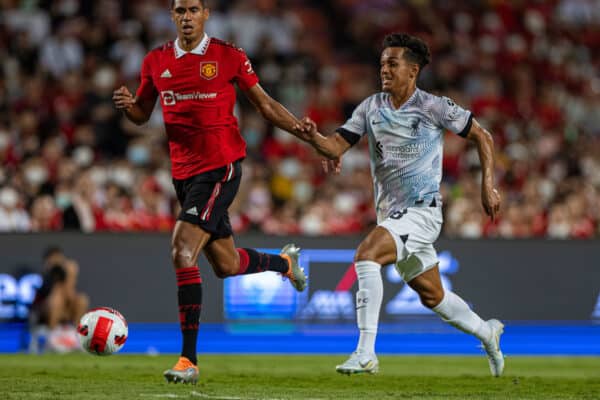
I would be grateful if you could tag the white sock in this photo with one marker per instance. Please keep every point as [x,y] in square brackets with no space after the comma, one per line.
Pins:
[457,313]
[368,303]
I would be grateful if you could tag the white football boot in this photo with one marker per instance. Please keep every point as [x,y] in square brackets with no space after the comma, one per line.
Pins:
[295,273]
[492,348]
[359,363]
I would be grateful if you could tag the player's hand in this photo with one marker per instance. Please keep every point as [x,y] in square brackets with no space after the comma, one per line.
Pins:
[307,129]
[490,199]
[334,166]
[123,99]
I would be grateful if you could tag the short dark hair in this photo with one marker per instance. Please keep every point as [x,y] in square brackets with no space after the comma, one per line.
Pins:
[51,251]
[203,2]
[416,51]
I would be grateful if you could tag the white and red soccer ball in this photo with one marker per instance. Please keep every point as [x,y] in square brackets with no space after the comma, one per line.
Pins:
[102,331]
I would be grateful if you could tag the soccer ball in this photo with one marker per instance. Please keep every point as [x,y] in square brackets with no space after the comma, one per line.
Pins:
[102,331]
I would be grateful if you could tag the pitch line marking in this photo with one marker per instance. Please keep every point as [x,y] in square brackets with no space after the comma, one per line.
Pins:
[208,396]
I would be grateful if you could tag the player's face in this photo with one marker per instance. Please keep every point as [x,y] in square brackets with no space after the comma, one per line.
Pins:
[189,16]
[396,73]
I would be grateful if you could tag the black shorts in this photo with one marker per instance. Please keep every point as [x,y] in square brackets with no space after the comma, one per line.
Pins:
[205,198]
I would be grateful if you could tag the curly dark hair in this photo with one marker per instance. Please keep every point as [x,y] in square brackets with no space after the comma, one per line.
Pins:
[416,51]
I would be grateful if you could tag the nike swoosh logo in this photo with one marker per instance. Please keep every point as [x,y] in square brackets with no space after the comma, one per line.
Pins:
[358,308]
[367,364]
[377,122]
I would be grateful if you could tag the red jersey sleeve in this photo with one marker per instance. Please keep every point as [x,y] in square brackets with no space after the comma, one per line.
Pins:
[245,75]
[147,90]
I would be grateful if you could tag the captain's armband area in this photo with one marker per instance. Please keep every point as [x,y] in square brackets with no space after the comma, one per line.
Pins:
[350,137]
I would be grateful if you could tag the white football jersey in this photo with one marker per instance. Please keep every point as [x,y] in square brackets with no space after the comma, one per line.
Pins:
[406,146]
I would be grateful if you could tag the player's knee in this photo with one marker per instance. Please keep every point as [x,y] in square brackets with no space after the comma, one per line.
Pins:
[365,253]
[182,257]
[82,301]
[226,269]
[56,299]
[430,299]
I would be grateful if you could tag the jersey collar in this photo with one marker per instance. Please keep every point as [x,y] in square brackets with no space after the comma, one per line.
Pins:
[408,102]
[198,50]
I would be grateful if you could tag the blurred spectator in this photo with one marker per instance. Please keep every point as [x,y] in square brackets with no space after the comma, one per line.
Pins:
[58,306]
[44,215]
[83,213]
[528,71]
[13,218]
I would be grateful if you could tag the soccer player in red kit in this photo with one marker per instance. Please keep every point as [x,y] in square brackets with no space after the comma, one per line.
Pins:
[193,77]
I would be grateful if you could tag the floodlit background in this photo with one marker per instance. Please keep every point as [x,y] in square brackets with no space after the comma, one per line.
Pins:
[529,71]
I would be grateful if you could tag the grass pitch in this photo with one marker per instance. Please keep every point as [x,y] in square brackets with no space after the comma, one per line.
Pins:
[241,377]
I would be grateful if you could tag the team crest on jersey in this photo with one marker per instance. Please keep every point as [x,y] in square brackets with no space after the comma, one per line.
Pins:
[209,69]
[414,127]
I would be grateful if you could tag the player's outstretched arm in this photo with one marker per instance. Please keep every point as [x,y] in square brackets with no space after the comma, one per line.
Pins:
[274,112]
[332,146]
[490,198]
[136,111]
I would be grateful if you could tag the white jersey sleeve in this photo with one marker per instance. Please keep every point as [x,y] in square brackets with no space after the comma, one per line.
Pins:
[452,117]
[356,126]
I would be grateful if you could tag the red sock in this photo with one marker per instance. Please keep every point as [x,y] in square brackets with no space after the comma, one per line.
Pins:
[251,262]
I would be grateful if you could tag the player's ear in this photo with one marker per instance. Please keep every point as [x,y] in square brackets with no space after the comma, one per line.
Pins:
[414,70]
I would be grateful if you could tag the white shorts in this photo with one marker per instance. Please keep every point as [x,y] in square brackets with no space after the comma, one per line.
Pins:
[414,232]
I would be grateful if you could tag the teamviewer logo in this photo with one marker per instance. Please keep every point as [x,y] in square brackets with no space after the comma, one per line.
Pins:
[168,98]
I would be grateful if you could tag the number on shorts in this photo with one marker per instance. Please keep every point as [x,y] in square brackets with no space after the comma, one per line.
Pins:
[398,214]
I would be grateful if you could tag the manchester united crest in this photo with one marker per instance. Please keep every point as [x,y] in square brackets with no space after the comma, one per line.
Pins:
[209,70]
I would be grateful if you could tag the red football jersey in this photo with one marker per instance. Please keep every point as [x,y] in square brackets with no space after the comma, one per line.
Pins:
[197,96]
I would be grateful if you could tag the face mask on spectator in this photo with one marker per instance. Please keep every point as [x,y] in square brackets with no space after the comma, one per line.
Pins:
[8,198]
[344,203]
[289,168]
[123,177]
[470,230]
[303,192]
[36,175]
[105,78]
[252,137]
[311,225]
[559,230]
[138,155]
[98,175]
[83,156]
[63,200]
[163,178]
[282,136]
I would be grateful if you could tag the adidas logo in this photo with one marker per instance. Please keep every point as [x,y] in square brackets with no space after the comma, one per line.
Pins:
[166,74]
[192,211]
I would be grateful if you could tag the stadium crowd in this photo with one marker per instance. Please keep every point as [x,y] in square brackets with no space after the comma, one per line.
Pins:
[527,69]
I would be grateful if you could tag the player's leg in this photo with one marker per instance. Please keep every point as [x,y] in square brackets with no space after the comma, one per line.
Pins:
[186,243]
[377,249]
[54,307]
[61,338]
[79,306]
[227,260]
[452,309]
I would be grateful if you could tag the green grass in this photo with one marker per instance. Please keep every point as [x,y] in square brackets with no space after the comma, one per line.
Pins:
[83,376]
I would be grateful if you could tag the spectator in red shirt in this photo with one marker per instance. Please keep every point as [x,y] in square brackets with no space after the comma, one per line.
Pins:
[194,78]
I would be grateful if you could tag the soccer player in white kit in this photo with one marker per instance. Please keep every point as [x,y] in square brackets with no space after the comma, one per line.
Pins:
[405,128]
